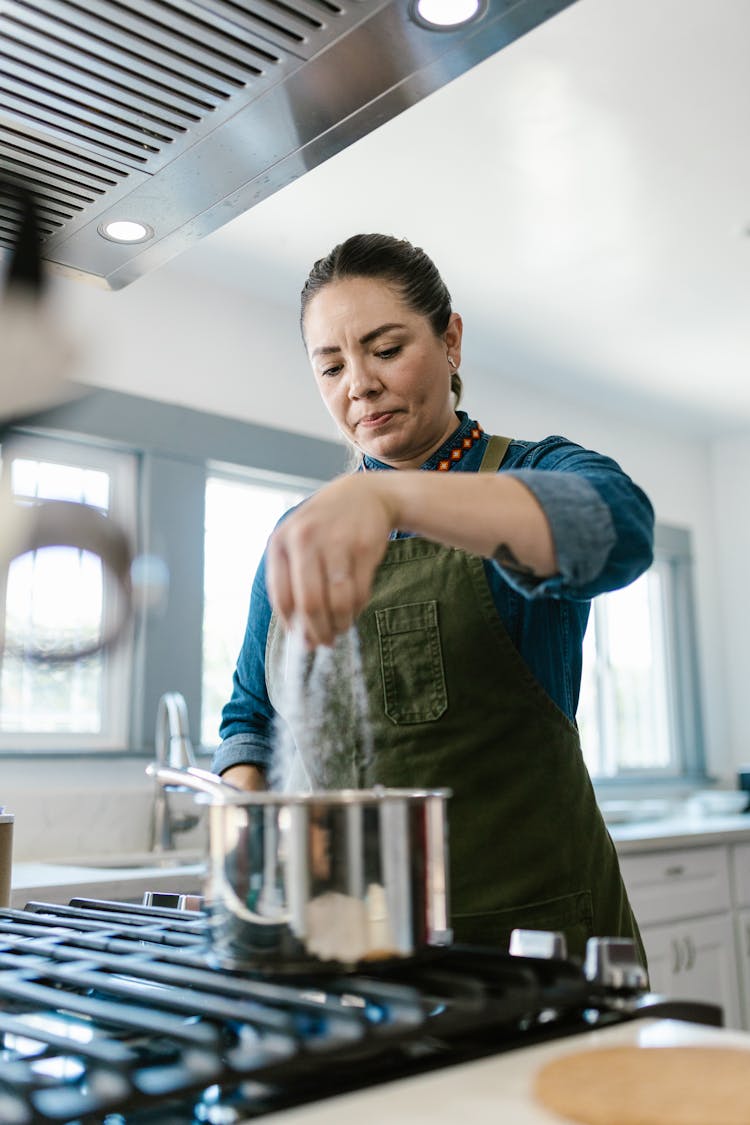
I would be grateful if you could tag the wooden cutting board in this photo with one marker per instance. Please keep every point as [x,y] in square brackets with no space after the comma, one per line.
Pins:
[649,1086]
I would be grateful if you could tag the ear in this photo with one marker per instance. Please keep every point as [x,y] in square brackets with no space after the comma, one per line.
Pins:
[452,337]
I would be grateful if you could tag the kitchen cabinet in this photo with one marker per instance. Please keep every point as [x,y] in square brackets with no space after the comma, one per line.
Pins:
[684,905]
[695,959]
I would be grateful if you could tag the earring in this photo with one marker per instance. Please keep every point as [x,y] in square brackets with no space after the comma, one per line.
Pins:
[452,362]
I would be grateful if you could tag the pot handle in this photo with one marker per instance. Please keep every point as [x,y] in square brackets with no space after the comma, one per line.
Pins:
[201,781]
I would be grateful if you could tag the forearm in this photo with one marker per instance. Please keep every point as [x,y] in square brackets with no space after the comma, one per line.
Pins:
[322,560]
[494,515]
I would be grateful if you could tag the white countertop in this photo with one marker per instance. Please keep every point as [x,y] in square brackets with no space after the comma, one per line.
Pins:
[124,881]
[679,832]
[498,1089]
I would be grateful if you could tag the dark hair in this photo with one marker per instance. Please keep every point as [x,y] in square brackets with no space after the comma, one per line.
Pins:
[393,260]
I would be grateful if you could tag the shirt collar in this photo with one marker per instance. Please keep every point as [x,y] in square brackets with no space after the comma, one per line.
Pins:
[462,431]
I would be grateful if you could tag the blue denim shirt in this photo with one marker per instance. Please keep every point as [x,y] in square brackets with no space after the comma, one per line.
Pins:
[602,525]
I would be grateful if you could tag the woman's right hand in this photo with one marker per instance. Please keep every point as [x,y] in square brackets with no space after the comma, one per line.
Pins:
[322,559]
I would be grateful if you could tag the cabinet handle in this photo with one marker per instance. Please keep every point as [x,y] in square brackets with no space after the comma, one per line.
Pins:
[675,871]
[689,953]
[676,959]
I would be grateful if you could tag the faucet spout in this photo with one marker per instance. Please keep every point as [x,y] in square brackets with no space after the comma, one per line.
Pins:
[172,739]
[172,748]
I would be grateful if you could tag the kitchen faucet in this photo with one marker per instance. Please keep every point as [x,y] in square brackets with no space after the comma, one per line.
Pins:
[173,748]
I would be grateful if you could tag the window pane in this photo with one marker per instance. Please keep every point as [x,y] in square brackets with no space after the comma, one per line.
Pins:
[45,480]
[635,628]
[240,516]
[54,599]
[51,699]
[625,709]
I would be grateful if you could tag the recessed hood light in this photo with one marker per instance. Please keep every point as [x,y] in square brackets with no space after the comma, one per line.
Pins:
[125,230]
[446,14]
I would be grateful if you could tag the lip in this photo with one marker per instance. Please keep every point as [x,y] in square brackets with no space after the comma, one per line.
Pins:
[372,421]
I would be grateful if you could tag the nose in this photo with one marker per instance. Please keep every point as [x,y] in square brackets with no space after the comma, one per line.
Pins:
[364,381]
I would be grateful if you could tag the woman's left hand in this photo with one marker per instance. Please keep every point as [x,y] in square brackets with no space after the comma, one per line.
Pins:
[322,559]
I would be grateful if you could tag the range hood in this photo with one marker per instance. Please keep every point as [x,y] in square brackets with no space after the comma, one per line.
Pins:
[183,114]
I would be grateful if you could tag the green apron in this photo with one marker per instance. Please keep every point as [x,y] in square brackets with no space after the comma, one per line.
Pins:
[452,703]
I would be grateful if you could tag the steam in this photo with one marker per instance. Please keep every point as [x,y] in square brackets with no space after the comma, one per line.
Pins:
[322,737]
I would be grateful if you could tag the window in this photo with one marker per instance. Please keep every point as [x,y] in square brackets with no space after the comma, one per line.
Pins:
[56,592]
[639,714]
[241,512]
[157,487]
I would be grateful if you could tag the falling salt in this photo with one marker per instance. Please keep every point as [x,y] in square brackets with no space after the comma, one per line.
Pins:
[323,738]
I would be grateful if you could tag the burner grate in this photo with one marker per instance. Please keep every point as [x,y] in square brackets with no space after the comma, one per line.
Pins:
[106,1009]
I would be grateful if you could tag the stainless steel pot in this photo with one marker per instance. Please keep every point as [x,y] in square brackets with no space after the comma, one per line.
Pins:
[300,880]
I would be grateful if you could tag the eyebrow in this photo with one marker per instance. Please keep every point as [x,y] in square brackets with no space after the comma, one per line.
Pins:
[368,337]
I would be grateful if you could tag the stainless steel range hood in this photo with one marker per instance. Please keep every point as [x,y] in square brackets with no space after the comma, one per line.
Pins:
[182,114]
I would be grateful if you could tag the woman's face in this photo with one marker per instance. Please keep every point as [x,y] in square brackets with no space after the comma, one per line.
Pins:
[382,372]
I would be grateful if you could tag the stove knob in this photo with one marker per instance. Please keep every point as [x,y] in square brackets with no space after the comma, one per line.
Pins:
[172,901]
[538,943]
[614,963]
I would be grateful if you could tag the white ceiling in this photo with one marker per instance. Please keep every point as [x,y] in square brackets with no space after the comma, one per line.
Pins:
[586,195]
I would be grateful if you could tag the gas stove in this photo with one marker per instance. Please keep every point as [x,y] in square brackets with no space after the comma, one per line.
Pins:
[115,1013]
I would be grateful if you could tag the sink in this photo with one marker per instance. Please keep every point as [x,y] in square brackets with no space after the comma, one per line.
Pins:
[636,810]
[123,876]
[133,861]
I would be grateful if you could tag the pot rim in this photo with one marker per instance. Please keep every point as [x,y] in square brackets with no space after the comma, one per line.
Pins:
[377,794]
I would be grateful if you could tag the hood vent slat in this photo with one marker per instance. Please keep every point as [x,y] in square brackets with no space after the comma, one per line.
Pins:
[92,112]
[182,114]
[81,70]
[61,82]
[135,42]
[290,26]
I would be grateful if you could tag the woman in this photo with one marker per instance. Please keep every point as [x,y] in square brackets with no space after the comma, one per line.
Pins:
[469,571]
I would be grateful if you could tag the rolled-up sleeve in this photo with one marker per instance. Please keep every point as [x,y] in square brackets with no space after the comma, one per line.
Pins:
[247,720]
[602,523]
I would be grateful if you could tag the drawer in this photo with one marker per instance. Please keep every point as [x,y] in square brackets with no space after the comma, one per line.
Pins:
[741,874]
[677,884]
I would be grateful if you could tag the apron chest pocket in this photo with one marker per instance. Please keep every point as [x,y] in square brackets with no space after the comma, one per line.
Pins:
[411,663]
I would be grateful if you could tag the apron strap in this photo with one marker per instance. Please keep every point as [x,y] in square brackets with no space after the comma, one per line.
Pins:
[496,449]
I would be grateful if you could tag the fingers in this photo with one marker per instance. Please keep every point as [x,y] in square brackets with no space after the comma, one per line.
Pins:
[310,597]
[341,597]
[322,559]
[318,595]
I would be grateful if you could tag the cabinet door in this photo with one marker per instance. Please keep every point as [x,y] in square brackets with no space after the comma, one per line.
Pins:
[743,956]
[695,960]
[664,956]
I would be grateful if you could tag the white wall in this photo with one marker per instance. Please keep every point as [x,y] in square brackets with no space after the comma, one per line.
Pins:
[730,461]
[173,337]
[180,339]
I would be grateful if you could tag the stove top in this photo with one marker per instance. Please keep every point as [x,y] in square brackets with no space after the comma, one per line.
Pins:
[114,1013]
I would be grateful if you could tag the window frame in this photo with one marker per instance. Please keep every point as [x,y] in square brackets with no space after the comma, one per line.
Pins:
[673,552]
[122,469]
